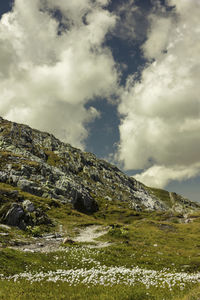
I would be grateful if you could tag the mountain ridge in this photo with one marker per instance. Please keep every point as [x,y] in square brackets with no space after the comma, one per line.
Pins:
[38,163]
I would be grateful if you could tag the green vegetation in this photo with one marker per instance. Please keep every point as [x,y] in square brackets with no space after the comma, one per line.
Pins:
[136,255]
[35,230]
[163,195]
[61,291]
[193,294]
[53,159]
[151,241]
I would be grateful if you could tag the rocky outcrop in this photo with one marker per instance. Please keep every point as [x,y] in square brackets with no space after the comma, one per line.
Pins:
[15,216]
[25,214]
[84,203]
[38,163]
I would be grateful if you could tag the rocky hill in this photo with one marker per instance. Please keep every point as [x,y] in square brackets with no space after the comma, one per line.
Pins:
[36,163]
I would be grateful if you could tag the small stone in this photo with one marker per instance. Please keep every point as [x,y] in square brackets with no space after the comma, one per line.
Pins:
[68,241]
[40,245]
[28,206]
[4,234]
[3,226]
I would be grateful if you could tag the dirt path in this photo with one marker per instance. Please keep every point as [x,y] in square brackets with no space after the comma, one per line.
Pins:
[53,242]
[90,234]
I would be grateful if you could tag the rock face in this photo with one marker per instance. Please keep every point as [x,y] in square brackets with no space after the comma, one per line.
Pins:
[25,214]
[85,203]
[14,216]
[39,164]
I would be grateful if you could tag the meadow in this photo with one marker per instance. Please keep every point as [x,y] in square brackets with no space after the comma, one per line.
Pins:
[150,255]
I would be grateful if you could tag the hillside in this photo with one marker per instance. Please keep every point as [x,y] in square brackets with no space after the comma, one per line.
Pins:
[38,163]
[72,225]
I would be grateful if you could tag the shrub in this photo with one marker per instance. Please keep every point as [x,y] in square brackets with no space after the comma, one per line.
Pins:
[35,231]
[118,232]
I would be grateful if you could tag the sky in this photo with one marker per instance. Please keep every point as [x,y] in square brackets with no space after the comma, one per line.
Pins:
[116,78]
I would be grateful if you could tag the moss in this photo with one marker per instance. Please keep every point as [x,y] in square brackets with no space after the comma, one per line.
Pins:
[163,195]
[53,159]
[31,163]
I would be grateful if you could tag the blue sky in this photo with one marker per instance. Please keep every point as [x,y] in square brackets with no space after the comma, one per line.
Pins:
[117,78]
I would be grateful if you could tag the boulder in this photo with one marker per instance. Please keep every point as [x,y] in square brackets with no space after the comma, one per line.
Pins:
[84,203]
[3,176]
[14,215]
[28,206]
[25,214]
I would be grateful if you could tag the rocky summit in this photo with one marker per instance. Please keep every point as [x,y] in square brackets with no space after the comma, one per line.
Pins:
[36,163]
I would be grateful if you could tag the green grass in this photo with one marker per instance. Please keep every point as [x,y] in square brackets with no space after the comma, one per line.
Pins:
[162,194]
[192,294]
[53,159]
[61,291]
[136,233]
[146,243]
[150,240]
[177,248]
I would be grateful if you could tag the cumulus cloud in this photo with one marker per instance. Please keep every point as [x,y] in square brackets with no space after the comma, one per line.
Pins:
[159,131]
[160,176]
[53,61]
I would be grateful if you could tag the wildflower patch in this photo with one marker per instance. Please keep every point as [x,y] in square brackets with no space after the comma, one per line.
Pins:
[109,276]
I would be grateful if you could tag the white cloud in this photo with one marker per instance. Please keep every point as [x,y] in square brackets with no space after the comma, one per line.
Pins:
[48,74]
[160,176]
[159,131]
[158,36]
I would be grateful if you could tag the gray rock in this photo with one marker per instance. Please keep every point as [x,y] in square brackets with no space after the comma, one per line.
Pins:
[84,203]
[3,176]
[30,187]
[28,206]
[25,214]
[44,166]
[14,215]
[95,176]
[4,233]
[25,171]
[3,226]
[14,179]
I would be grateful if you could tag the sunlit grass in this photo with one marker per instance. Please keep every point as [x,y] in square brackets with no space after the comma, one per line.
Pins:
[153,241]
[47,290]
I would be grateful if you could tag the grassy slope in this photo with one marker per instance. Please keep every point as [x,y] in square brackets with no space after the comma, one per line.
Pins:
[148,240]
[23,291]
